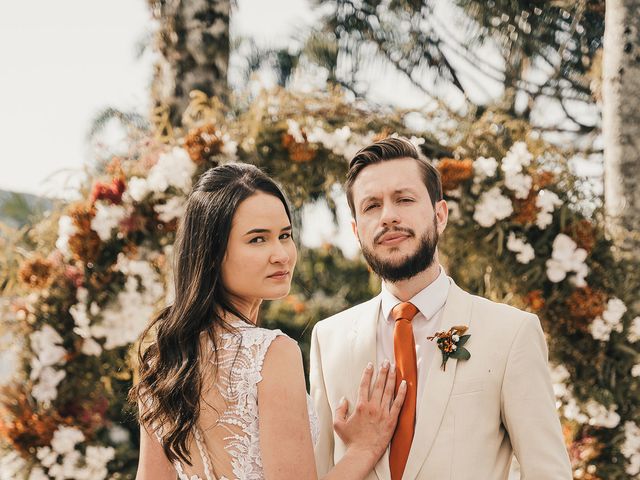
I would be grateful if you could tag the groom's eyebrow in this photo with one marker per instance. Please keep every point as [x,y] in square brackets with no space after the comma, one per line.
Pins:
[368,199]
[288,228]
[398,191]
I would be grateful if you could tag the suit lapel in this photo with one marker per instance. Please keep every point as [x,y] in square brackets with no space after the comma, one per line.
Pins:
[432,405]
[364,335]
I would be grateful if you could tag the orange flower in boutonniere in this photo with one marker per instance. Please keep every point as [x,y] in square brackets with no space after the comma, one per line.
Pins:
[451,344]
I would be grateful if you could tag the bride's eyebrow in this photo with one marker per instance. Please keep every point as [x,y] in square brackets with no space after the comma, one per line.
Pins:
[266,230]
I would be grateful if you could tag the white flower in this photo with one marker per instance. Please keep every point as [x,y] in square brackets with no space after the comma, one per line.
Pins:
[517,157]
[293,129]
[172,208]
[416,141]
[65,439]
[91,347]
[635,370]
[218,28]
[454,210]
[600,330]
[46,345]
[47,349]
[601,327]
[614,311]
[46,456]
[119,434]
[173,169]
[546,201]
[38,474]
[634,330]
[572,411]
[567,257]
[524,250]
[46,389]
[492,206]
[11,465]
[124,319]
[455,337]
[66,229]
[519,183]
[600,416]
[559,374]
[106,219]
[341,141]
[485,167]
[137,188]
[229,147]
[10,348]
[98,456]
[631,447]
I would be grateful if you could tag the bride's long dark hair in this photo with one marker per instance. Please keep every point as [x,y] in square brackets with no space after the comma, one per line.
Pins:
[170,383]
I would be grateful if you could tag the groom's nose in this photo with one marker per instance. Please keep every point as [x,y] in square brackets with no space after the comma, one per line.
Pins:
[389,215]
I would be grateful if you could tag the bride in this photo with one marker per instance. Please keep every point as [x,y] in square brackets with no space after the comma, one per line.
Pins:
[219,397]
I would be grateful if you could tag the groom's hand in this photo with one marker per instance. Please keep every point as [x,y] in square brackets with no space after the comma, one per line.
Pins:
[370,427]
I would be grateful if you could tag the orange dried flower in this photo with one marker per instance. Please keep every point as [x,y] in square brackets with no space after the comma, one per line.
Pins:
[36,272]
[298,152]
[203,143]
[85,246]
[384,133]
[295,303]
[542,179]
[82,214]
[583,305]
[22,427]
[112,192]
[583,233]
[454,172]
[535,300]
[525,209]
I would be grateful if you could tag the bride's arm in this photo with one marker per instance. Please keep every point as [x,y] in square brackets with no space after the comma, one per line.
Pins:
[285,436]
[153,463]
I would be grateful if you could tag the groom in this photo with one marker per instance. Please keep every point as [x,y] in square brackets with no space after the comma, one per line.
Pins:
[461,422]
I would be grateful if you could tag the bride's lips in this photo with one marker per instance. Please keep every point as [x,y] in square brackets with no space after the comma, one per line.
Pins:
[393,238]
[281,275]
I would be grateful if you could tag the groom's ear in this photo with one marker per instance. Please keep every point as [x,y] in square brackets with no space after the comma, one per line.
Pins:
[354,227]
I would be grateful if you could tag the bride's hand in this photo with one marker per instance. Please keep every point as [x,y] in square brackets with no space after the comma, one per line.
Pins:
[370,427]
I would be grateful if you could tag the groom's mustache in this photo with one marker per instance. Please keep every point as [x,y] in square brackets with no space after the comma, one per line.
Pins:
[408,231]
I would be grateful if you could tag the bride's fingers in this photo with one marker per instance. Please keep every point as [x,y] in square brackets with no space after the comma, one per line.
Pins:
[399,400]
[343,409]
[365,383]
[340,417]
[378,387]
[387,396]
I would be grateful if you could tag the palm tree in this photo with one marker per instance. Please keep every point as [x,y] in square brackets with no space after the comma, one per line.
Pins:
[193,42]
[621,124]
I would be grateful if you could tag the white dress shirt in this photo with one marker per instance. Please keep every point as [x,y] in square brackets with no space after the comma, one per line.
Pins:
[430,304]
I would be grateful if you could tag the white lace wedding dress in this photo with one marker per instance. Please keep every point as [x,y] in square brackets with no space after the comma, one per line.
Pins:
[226,446]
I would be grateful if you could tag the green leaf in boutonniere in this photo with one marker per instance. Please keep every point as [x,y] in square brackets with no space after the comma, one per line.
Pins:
[451,344]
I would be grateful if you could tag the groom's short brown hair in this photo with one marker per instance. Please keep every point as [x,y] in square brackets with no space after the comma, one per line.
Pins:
[392,148]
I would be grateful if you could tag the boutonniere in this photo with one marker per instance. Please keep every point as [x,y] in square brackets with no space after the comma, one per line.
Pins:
[451,344]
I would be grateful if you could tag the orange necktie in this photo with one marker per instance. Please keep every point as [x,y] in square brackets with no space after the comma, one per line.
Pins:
[404,348]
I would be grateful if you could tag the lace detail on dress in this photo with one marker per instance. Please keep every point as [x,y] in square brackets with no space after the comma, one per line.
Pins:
[239,365]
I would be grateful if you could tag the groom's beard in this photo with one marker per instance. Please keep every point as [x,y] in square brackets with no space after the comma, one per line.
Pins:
[409,266]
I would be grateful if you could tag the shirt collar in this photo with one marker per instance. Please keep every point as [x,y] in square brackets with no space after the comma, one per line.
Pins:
[428,300]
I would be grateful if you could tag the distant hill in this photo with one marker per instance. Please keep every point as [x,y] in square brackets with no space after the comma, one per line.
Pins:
[18,209]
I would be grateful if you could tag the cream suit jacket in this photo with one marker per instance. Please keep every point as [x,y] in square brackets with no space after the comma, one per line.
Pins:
[474,415]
